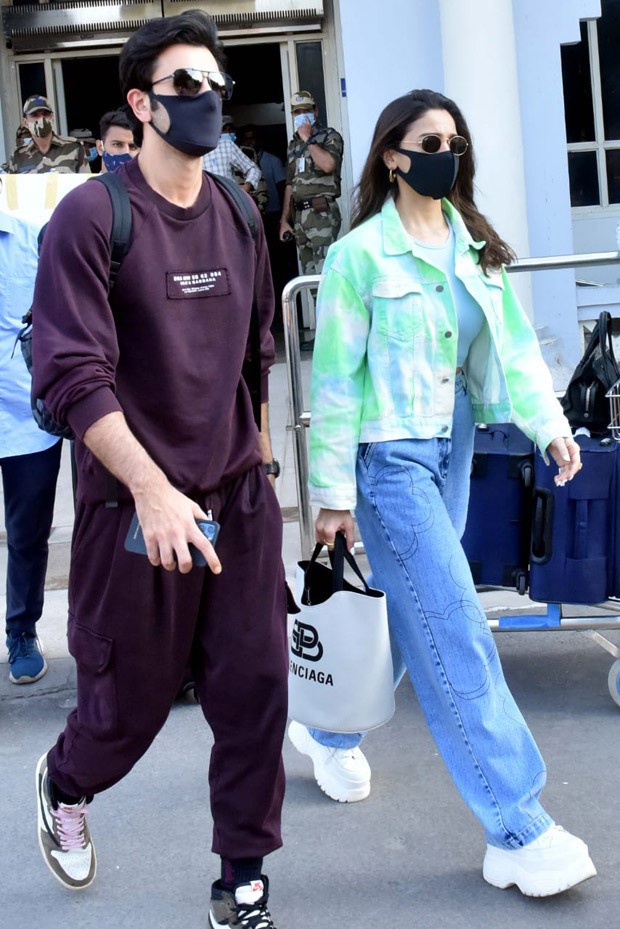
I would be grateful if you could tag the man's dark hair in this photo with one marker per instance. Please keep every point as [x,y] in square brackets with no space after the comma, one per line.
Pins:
[140,52]
[113,118]
[251,129]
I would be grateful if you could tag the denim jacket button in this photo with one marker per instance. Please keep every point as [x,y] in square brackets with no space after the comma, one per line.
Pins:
[444,428]
[448,334]
[439,288]
[445,380]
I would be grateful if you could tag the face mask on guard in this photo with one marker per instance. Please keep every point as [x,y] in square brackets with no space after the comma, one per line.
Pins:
[302,118]
[41,127]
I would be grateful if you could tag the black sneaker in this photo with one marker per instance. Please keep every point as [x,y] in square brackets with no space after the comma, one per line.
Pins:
[246,907]
[64,838]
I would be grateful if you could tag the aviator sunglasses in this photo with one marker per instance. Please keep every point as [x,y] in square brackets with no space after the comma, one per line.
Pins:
[188,81]
[431,144]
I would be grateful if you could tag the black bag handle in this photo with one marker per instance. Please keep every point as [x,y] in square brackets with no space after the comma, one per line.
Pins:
[607,342]
[337,556]
[601,337]
[542,526]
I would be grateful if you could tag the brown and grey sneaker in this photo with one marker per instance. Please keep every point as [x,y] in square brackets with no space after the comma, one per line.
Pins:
[246,908]
[64,838]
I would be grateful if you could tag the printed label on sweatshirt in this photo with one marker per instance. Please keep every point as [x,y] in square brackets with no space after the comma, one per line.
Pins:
[183,285]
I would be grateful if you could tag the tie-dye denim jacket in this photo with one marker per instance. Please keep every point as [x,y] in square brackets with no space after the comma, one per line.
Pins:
[385,352]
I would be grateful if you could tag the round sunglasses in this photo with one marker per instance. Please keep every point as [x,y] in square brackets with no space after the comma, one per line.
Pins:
[431,143]
[187,82]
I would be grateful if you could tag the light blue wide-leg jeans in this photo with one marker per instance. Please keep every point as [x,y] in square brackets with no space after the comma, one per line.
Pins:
[412,506]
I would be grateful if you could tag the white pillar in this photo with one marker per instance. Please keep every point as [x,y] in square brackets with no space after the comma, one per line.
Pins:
[480,75]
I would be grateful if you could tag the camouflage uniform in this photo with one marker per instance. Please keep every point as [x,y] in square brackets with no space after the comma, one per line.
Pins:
[65,156]
[315,229]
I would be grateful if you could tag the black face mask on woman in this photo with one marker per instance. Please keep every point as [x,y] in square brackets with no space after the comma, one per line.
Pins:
[430,175]
[195,122]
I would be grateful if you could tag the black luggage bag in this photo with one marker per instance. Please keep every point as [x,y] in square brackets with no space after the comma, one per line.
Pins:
[575,528]
[497,535]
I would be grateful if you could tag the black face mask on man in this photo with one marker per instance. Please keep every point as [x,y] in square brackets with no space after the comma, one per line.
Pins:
[195,122]
[430,175]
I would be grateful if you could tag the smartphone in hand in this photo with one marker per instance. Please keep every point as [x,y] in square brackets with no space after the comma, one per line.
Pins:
[135,540]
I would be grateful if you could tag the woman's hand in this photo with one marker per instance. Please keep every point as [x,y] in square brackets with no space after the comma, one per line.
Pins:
[329,522]
[567,456]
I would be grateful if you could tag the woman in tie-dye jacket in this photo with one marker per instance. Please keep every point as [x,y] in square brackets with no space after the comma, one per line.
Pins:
[420,335]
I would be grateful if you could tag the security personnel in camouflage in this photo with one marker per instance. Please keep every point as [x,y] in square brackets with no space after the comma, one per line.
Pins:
[312,185]
[45,150]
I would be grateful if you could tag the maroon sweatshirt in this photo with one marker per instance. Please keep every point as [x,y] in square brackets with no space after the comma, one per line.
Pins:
[168,348]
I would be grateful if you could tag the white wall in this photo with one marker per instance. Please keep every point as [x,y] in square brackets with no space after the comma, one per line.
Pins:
[489,97]
[596,232]
[541,26]
[481,76]
[388,48]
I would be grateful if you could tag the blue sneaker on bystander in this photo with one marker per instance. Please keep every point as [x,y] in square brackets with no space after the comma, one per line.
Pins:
[26,661]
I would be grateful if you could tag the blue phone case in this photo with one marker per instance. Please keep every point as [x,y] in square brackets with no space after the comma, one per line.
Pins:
[135,540]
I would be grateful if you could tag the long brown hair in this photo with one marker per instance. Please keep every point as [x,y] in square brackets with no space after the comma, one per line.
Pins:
[374,187]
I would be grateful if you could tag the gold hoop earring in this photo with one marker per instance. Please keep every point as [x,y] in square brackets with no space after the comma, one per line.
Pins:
[392,175]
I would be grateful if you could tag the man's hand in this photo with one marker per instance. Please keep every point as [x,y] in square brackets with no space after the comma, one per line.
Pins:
[305,130]
[168,521]
[285,227]
[167,517]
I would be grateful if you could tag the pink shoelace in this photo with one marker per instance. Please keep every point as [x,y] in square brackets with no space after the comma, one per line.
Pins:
[70,822]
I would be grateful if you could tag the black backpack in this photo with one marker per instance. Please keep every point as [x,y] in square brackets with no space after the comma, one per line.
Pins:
[120,240]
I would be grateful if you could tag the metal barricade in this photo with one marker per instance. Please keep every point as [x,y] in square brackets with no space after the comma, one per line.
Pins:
[299,418]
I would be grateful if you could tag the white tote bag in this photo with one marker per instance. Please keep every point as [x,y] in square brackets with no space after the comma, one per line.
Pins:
[340,668]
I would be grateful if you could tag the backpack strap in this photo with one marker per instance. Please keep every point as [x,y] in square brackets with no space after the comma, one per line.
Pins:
[241,199]
[252,368]
[120,236]
[120,240]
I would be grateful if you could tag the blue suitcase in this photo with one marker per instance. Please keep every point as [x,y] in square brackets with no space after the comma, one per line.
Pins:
[574,528]
[497,534]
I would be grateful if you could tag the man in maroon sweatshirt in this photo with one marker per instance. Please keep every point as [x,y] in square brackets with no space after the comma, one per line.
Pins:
[151,383]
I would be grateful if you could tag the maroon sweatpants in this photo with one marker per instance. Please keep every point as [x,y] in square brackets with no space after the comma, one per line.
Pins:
[132,629]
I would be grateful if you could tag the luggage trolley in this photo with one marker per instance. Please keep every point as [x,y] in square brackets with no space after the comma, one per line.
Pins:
[553,620]
[607,616]
[613,680]
[555,545]
[605,612]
